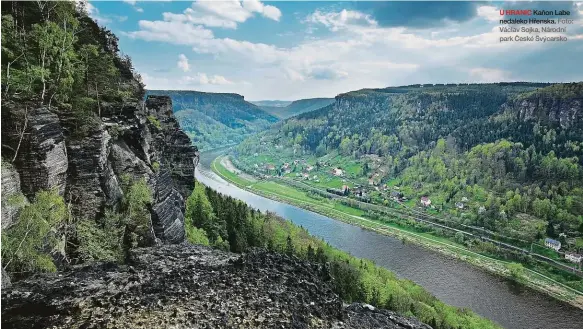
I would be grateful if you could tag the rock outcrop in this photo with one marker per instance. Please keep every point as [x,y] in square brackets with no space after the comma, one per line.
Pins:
[132,138]
[10,191]
[185,286]
[564,112]
[36,137]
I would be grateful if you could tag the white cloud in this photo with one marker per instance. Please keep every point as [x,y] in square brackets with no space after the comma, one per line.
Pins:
[224,14]
[359,54]
[489,13]
[481,74]
[197,81]
[133,3]
[171,32]
[339,20]
[183,63]
[204,79]
[94,13]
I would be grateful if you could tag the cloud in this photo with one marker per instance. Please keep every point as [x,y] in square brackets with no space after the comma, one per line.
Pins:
[133,3]
[171,32]
[190,81]
[204,79]
[489,13]
[101,19]
[481,74]
[417,14]
[338,20]
[327,73]
[224,14]
[183,63]
[362,53]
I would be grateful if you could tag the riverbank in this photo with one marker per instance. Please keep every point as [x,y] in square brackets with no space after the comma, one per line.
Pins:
[287,194]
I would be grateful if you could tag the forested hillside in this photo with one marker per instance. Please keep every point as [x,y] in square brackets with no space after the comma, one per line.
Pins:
[294,108]
[507,156]
[229,224]
[213,120]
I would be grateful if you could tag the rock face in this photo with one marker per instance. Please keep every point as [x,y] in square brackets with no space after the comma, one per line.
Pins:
[564,112]
[185,286]
[10,190]
[133,139]
[41,159]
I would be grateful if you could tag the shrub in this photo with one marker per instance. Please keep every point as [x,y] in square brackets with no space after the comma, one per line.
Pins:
[156,166]
[153,120]
[26,245]
[101,242]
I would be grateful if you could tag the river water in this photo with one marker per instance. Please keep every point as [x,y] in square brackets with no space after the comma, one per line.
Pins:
[452,281]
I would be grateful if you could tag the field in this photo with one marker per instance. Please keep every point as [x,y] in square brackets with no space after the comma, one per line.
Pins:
[571,292]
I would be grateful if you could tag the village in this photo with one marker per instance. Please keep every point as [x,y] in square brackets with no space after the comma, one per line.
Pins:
[338,180]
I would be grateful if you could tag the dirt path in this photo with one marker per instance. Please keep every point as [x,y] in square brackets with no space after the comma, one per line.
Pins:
[227,164]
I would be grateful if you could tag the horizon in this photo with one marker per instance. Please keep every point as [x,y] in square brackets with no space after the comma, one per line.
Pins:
[297,50]
[344,92]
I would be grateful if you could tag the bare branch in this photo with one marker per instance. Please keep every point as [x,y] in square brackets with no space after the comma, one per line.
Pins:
[21,134]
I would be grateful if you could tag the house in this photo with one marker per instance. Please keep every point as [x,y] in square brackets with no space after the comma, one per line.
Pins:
[464,199]
[425,201]
[269,166]
[306,176]
[337,172]
[315,177]
[309,168]
[459,205]
[285,166]
[553,244]
[481,210]
[396,194]
[574,258]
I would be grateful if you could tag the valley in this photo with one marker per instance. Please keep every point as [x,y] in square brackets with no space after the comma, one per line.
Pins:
[405,252]
[167,199]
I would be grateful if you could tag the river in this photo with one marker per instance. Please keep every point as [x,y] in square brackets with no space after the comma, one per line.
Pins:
[452,281]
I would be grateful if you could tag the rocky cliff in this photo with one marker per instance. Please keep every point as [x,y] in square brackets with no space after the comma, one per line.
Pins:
[185,286]
[132,138]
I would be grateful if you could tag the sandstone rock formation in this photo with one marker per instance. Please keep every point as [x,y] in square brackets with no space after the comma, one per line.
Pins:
[10,190]
[186,286]
[131,138]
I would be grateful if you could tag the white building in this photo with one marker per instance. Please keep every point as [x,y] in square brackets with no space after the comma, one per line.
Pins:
[553,244]
[575,258]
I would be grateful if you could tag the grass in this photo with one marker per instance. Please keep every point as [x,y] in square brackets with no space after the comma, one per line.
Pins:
[444,245]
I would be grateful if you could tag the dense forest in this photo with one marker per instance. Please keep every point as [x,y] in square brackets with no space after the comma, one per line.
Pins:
[54,55]
[229,224]
[294,108]
[506,156]
[214,120]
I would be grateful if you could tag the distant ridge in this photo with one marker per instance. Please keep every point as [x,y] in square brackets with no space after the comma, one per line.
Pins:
[214,120]
[293,108]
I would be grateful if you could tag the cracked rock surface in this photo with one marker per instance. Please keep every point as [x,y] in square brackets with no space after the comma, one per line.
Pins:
[186,286]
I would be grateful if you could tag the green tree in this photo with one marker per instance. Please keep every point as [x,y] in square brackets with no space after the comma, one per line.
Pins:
[200,213]
[516,270]
[28,243]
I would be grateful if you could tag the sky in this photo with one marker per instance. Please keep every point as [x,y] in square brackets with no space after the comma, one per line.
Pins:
[284,50]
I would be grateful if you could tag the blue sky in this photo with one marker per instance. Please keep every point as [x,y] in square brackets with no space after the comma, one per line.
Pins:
[290,50]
